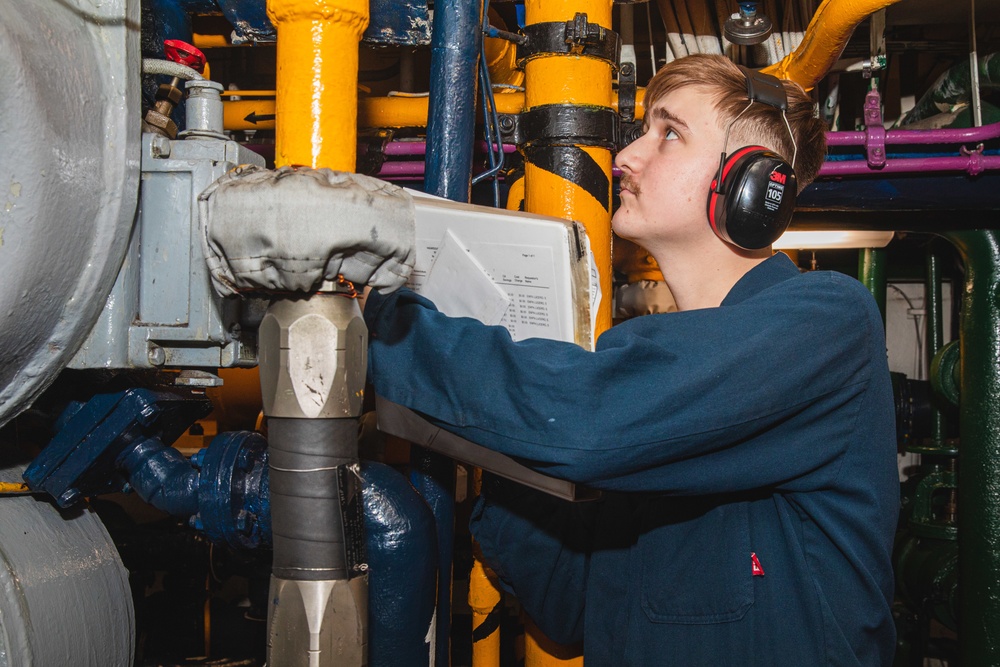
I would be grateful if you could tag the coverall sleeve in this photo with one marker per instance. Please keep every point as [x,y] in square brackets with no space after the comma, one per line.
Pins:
[539,547]
[675,402]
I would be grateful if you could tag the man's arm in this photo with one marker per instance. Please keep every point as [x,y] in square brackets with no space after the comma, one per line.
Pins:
[660,396]
[539,547]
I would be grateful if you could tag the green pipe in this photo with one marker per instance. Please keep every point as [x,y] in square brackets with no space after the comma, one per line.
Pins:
[935,335]
[955,87]
[871,272]
[979,460]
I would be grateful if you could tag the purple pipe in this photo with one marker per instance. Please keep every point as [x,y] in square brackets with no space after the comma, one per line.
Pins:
[399,148]
[407,148]
[972,134]
[974,164]
[405,168]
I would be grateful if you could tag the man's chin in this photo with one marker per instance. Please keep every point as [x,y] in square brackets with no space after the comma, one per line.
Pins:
[620,227]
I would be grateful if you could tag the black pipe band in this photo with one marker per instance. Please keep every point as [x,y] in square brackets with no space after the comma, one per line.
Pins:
[315,498]
[575,165]
[561,124]
[577,37]
[490,624]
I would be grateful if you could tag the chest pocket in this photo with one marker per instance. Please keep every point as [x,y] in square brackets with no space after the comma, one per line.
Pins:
[695,561]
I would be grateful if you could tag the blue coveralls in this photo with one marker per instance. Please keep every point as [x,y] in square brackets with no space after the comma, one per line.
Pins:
[764,426]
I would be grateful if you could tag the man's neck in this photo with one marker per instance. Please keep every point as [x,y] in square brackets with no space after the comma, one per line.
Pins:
[703,279]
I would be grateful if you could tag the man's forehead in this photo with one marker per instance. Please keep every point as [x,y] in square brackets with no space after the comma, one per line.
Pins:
[682,106]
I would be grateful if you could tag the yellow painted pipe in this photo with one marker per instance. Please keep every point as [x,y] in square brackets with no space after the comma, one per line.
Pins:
[635,263]
[206,41]
[826,36]
[484,599]
[317,81]
[582,80]
[258,114]
[515,194]
[501,56]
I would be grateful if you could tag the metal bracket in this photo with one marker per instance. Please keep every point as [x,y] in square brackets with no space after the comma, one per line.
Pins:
[626,92]
[577,37]
[975,156]
[562,124]
[628,132]
[874,130]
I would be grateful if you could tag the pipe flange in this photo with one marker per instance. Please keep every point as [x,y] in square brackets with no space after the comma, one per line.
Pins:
[233,499]
[946,373]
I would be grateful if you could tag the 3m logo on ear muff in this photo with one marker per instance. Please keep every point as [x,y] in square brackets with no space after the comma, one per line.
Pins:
[775,191]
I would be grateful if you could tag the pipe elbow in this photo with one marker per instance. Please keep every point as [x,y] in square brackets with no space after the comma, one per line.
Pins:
[162,477]
[825,39]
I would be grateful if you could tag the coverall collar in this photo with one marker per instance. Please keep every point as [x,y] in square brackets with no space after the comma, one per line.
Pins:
[773,270]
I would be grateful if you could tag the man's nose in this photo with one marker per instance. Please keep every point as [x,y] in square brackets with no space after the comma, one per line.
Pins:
[629,159]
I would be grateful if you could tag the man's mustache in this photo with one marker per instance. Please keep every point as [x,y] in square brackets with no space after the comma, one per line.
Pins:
[630,185]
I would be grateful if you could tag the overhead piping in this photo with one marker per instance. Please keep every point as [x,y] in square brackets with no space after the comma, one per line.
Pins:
[826,36]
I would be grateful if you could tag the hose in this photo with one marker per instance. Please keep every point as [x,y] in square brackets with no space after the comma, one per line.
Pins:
[169,68]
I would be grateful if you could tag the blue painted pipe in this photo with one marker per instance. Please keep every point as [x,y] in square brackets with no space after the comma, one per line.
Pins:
[162,476]
[433,476]
[399,534]
[456,40]
[451,123]
[402,563]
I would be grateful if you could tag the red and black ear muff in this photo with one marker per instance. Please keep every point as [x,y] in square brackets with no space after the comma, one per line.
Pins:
[752,198]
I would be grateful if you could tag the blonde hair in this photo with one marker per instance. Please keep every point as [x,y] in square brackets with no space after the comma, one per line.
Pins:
[761,124]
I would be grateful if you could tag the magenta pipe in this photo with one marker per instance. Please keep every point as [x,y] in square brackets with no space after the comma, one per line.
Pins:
[406,148]
[403,168]
[973,164]
[944,136]
[398,148]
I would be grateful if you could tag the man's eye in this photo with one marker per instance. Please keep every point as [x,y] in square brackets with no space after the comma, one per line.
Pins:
[670,135]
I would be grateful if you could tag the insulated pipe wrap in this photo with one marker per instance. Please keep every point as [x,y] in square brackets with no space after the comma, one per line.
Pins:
[306,514]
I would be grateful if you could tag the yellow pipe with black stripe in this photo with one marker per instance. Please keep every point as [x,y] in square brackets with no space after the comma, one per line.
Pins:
[317,81]
[486,602]
[572,181]
[568,179]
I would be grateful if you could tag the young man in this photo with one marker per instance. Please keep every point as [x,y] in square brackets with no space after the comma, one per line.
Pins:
[745,444]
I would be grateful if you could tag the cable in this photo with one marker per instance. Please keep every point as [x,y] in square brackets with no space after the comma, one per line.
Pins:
[491,121]
[649,26]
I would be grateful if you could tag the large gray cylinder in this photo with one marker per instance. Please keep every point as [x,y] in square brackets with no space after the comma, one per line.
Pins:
[64,593]
[69,179]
